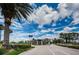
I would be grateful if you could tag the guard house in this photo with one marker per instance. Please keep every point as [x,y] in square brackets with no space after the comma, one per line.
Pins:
[40,41]
[37,42]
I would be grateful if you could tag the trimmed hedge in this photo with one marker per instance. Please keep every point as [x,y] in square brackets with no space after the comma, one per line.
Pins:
[69,46]
[21,46]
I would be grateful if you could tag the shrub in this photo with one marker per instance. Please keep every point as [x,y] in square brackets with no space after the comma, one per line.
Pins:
[2,51]
[1,42]
[74,46]
[69,46]
[13,52]
[58,41]
[21,46]
[54,41]
[15,49]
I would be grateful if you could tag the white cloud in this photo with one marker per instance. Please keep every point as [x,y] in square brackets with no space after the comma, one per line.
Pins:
[63,10]
[76,17]
[15,25]
[68,9]
[67,29]
[44,31]
[47,30]
[44,15]
[73,6]
[50,36]
[18,36]
[34,33]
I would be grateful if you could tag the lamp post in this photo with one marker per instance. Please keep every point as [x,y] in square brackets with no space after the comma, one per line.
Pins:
[31,36]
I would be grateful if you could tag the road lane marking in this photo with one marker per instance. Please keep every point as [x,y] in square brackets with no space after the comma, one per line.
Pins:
[60,50]
[64,52]
[51,50]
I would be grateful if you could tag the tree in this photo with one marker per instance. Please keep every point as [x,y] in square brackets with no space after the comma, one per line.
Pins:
[10,11]
[69,36]
[64,36]
[21,42]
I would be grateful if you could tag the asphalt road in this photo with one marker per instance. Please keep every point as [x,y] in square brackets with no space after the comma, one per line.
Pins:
[51,50]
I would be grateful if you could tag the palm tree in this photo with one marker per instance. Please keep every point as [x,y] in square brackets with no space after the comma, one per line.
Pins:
[10,11]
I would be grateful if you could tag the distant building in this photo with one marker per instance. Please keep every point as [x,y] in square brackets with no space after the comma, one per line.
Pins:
[37,42]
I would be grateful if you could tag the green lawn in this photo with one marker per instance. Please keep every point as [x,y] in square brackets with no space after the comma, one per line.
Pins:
[16,52]
[15,49]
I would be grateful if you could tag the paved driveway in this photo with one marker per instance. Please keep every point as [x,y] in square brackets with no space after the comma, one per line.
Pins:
[51,50]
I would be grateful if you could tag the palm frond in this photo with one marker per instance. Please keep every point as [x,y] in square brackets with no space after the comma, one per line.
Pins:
[24,9]
[16,10]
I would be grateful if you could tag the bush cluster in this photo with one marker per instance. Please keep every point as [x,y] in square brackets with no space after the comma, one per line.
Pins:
[58,41]
[2,51]
[69,46]
[21,46]
[15,49]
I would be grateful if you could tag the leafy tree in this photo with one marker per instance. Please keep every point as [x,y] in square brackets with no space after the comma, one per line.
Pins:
[69,36]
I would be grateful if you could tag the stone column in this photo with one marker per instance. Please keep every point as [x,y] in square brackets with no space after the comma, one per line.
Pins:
[37,42]
[41,42]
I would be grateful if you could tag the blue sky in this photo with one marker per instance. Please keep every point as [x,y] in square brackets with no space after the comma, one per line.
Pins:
[46,21]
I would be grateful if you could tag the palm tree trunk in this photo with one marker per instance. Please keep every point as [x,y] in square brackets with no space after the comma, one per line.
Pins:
[66,40]
[6,35]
